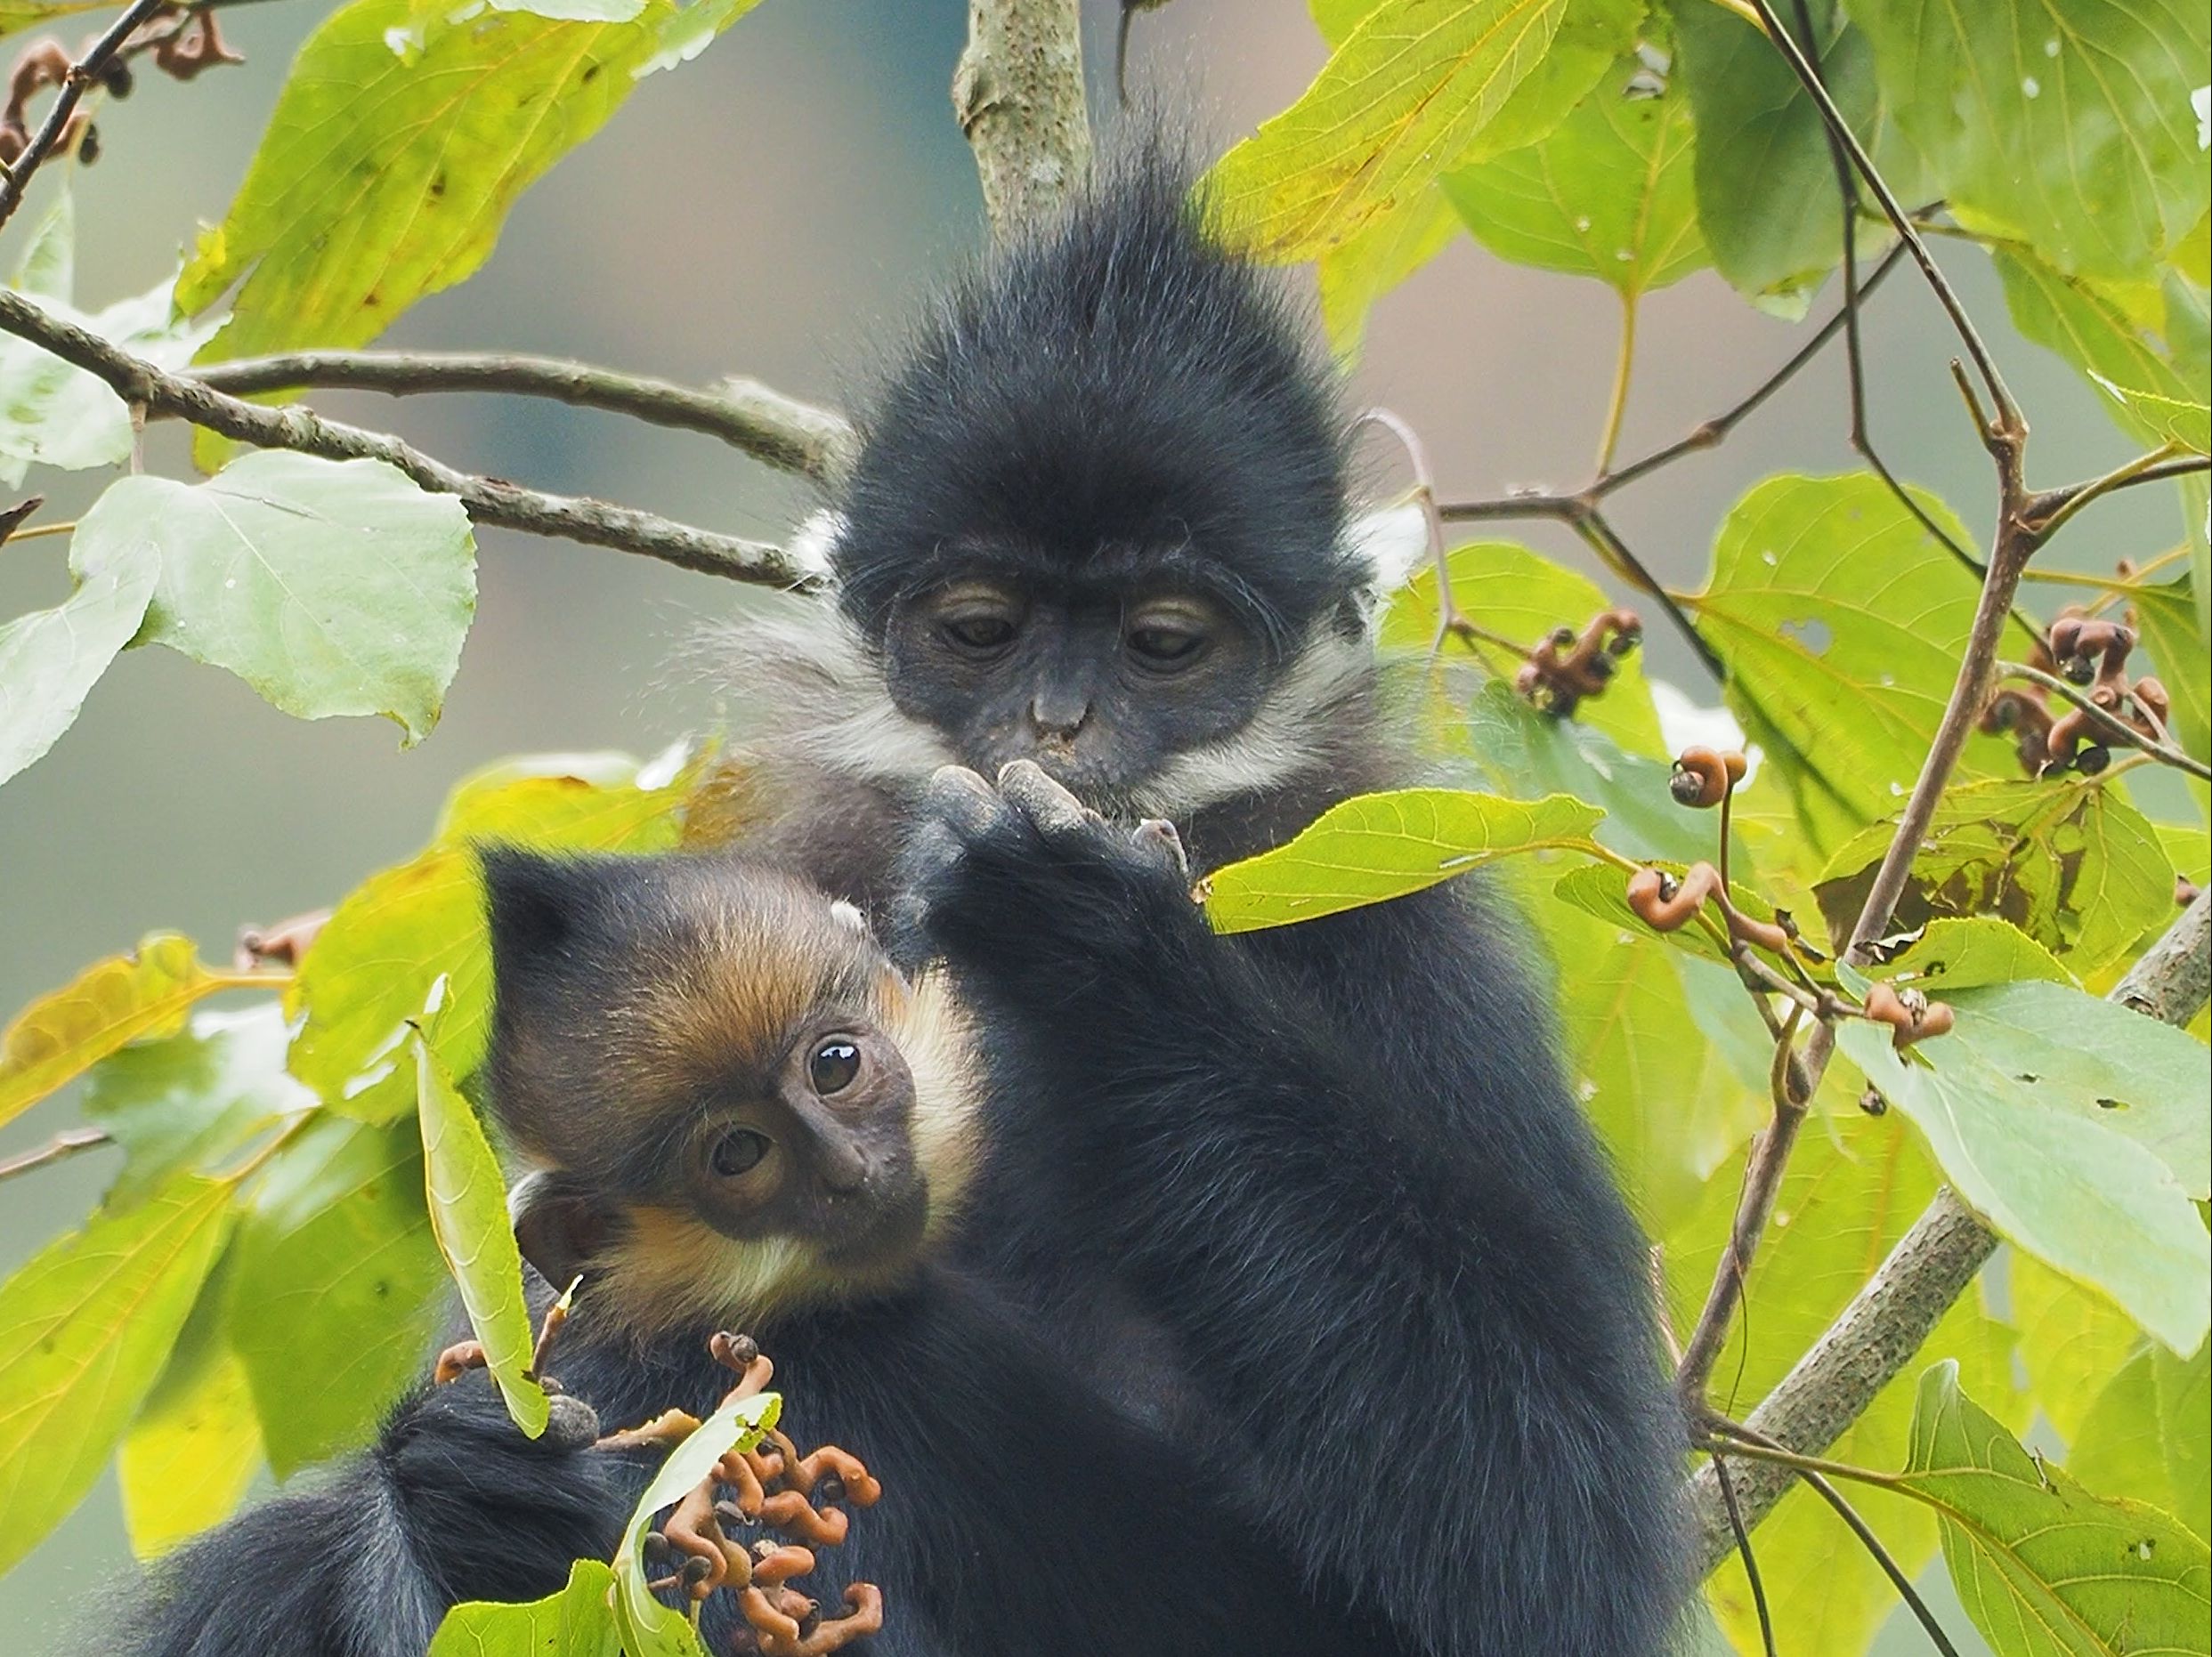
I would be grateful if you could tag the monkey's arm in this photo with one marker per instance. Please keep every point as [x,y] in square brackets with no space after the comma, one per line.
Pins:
[1436,1351]
[452,1503]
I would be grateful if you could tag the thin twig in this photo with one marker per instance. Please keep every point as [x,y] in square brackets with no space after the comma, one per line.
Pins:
[778,430]
[15,179]
[143,385]
[2116,729]
[2048,510]
[1751,1560]
[66,1144]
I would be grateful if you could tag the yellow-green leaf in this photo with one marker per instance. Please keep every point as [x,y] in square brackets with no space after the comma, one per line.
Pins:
[336,1287]
[51,658]
[1963,954]
[1411,87]
[84,1328]
[403,137]
[1377,846]
[186,1461]
[468,1201]
[2148,1435]
[2112,331]
[648,1627]
[121,999]
[2044,1568]
[1842,622]
[577,1622]
[1607,193]
[2183,422]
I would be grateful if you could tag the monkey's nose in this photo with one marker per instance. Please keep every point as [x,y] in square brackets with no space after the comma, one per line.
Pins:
[843,1168]
[1058,717]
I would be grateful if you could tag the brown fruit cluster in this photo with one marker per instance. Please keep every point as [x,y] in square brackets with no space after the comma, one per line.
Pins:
[1567,667]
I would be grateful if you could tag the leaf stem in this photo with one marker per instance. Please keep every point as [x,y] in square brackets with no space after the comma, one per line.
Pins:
[1617,409]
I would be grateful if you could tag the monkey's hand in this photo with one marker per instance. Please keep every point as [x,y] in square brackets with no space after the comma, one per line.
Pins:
[1024,885]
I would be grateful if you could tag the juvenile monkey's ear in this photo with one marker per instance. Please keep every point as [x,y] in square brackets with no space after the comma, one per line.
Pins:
[558,1230]
[533,904]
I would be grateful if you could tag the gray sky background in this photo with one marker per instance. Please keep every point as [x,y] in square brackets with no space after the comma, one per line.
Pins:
[778,208]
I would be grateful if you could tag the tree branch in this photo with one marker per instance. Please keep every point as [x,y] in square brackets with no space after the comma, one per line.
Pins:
[777,429]
[1892,1316]
[68,1143]
[489,500]
[15,179]
[1017,94]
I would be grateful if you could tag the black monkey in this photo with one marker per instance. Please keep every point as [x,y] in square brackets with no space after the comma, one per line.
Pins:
[735,1113]
[1315,1200]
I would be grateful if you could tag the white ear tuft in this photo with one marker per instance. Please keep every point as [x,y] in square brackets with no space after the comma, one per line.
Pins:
[845,915]
[810,543]
[1392,541]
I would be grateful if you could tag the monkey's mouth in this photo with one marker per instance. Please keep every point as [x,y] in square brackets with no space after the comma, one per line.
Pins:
[875,1231]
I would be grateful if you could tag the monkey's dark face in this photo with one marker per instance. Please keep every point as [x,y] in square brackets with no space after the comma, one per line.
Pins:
[1100,683]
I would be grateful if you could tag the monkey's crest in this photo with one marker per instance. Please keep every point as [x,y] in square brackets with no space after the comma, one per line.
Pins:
[1116,382]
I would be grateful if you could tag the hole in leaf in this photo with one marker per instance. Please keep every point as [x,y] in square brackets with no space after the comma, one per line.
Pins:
[2112,1104]
[2028,1076]
[1812,633]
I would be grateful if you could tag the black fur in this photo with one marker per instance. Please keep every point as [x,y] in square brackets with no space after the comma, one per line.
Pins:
[1328,1174]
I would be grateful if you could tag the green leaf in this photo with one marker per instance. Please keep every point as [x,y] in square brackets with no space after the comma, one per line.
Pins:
[2166,616]
[577,1622]
[55,415]
[1965,954]
[2183,422]
[2146,1435]
[185,1463]
[1607,193]
[394,935]
[84,1328]
[2041,1565]
[2073,1342]
[1853,1188]
[329,587]
[2078,1129]
[17,15]
[48,267]
[121,999]
[1663,1098]
[467,1199]
[192,1103]
[1377,846]
[50,660]
[648,1627]
[2108,331]
[1410,90]
[2064,124]
[399,145]
[2066,860]
[1766,187]
[335,1289]
[1842,622]
[1507,589]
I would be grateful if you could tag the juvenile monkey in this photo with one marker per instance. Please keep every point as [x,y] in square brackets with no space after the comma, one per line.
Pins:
[734,1114]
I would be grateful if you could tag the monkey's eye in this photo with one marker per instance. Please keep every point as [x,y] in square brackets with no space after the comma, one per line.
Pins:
[1158,645]
[834,1065]
[980,635]
[737,1152]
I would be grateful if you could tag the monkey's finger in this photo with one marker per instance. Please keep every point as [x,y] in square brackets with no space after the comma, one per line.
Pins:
[957,797]
[571,1424]
[1157,836]
[1044,802]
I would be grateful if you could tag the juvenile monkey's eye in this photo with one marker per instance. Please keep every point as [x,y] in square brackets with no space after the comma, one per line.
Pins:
[980,633]
[836,1062]
[737,1152]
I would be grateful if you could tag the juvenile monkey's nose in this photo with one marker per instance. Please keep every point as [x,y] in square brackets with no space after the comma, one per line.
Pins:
[1059,716]
[844,1169]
